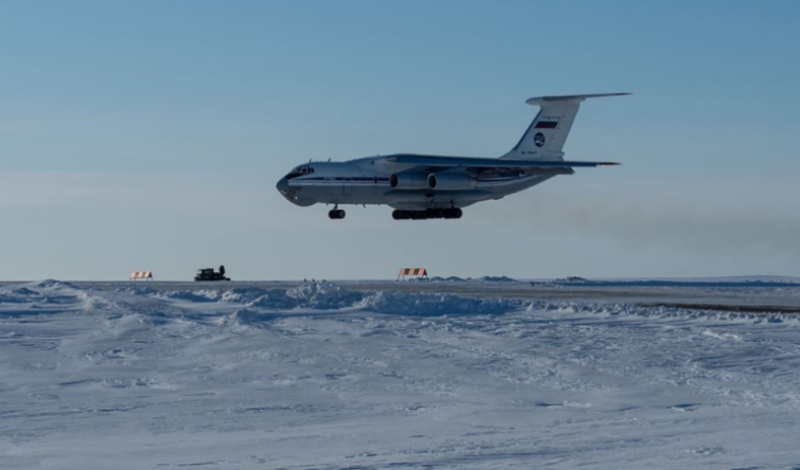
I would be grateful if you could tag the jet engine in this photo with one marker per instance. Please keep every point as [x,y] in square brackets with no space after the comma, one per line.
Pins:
[409,180]
[451,181]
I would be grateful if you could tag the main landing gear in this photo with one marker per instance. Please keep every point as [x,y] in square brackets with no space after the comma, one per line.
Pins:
[452,213]
[336,213]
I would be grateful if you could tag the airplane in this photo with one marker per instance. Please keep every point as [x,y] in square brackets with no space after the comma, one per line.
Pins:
[422,187]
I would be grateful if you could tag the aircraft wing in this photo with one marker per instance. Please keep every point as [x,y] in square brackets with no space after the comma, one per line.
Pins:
[489,163]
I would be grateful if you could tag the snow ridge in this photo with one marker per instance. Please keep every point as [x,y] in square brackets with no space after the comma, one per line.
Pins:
[52,297]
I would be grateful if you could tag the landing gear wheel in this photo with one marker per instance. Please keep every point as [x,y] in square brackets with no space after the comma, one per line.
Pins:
[452,213]
[336,214]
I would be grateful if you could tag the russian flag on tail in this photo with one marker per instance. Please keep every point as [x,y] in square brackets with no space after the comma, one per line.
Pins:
[546,123]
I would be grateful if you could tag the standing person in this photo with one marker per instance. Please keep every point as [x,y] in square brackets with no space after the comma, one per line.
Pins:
[221,269]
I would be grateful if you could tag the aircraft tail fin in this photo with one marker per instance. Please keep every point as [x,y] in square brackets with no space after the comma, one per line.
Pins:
[545,137]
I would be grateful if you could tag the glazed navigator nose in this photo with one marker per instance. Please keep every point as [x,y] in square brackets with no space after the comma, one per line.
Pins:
[283,186]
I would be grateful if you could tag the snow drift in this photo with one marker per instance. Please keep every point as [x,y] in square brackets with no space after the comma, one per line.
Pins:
[323,377]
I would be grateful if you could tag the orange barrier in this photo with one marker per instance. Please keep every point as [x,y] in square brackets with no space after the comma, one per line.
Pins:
[412,272]
[141,275]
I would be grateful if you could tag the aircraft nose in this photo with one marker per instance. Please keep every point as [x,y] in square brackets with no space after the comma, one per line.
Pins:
[283,186]
[290,193]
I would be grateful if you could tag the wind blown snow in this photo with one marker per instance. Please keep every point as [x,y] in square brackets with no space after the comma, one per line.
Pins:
[327,378]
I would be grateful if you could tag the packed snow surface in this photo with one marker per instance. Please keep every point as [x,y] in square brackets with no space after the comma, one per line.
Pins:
[320,377]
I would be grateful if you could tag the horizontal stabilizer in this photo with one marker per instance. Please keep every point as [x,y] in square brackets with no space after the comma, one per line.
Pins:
[542,100]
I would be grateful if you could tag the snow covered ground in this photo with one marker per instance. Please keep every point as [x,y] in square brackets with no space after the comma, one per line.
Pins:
[320,377]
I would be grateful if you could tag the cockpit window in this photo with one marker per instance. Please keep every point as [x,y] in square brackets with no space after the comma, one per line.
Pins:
[301,170]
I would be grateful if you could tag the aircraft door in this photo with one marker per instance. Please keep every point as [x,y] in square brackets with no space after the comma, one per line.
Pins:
[347,187]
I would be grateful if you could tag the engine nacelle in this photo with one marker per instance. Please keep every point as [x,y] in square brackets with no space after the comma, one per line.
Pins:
[451,181]
[409,180]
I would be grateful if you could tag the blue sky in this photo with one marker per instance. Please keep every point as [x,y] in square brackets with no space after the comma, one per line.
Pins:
[116,118]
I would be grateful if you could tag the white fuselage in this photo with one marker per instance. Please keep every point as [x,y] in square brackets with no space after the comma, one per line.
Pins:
[370,181]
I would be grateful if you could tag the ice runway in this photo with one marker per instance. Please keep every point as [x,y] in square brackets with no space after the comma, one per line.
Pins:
[367,376]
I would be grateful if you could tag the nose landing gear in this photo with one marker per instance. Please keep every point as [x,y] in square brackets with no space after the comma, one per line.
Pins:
[336,213]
